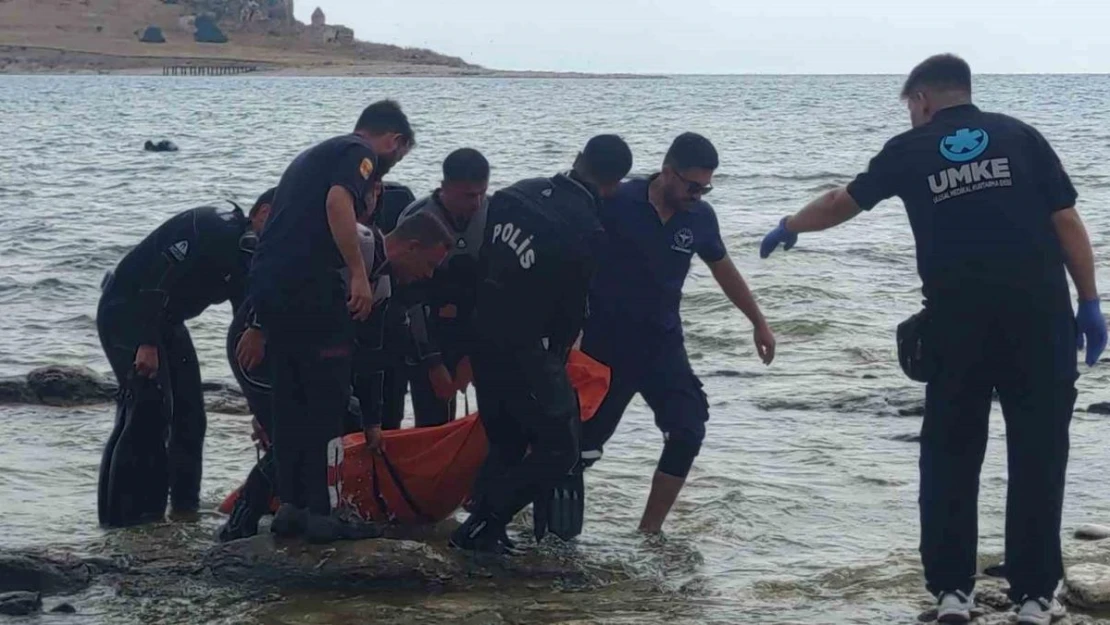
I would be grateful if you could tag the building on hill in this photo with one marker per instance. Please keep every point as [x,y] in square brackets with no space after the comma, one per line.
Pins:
[318,19]
[338,35]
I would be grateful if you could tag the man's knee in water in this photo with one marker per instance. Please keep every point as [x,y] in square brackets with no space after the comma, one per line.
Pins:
[678,454]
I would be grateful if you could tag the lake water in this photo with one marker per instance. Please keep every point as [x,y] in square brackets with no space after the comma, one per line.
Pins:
[802,506]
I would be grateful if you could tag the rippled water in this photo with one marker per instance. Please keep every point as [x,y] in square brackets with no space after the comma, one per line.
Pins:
[802,506]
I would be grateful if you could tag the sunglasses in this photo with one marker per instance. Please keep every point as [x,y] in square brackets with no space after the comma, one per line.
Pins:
[692,187]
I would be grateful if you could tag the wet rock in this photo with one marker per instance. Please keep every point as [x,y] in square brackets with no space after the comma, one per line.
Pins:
[1099,408]
[869,376]
[15,391]
[62,385]
[1088,585]
[1090,531]
[64,608]
[227,404]
[912,437]
[47,574]
[368,563]
[994,599]
[20,603]
[995,570]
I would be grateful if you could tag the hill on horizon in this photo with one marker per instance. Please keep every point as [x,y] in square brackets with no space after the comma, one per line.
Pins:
[104,34]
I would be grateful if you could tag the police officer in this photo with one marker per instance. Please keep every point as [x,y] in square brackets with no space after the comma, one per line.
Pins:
[993,214]
[195,259]
[304,310]
[407,254]
[655,227]
[442,308]
[535,266]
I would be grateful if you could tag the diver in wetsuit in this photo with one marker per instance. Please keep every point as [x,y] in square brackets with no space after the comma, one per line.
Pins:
[441,309]
[195,259]
[411,252]
[535,267]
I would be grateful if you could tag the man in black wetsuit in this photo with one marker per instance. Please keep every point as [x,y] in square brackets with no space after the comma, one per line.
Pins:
[535,268]
[409,253]
[440,310]
[305,310]
[195,259]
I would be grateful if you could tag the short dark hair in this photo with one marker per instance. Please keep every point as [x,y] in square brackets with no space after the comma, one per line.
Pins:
[267,197]
[946,72]
[424,228]
[386,116]
[606,159]
[465,165]
[690,150]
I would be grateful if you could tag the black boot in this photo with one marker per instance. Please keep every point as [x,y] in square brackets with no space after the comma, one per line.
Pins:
[484,534]
[243,521]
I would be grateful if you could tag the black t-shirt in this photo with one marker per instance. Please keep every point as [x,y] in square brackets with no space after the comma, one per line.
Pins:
[980,190]
[191,261]
[296,253]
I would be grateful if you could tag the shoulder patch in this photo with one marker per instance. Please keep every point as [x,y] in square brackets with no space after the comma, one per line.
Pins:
[365,168]
[179,250]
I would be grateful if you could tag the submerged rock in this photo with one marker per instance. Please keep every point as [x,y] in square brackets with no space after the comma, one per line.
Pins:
[1099,408]
[15,391]
[913,437]
[46,574]
[369,563]
[164,145]
[1090,531]
[20,603]
[63,385]
[64,608]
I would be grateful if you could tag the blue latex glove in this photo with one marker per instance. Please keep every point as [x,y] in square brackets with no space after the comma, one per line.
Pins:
[778,235]
[1092,326]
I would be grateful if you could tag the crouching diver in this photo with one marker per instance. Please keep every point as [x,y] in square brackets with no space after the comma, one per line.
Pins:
[535,267]
[195,259]
[440,310]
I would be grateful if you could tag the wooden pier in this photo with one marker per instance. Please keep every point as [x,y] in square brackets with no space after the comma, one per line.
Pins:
[208,70]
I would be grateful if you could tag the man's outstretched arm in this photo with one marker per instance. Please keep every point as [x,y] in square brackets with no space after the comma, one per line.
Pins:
[736,289]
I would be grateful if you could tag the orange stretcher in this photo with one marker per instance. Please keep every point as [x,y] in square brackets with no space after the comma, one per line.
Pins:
[425,474]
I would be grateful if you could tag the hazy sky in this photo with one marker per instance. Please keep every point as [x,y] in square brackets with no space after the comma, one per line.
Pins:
[739,36]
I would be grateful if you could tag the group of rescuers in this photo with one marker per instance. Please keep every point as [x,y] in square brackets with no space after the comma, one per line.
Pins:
[497,289]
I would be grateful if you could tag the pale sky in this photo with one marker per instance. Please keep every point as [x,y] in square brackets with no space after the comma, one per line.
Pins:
[740,36]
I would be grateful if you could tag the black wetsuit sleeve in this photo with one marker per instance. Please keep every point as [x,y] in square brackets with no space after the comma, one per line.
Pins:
[572,306]
[1055,184]
[879,182]
[424,348]
[179,251]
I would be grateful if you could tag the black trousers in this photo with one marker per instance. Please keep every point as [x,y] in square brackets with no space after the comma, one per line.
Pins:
[311,388]
[530,413]
[178,371]
[1023,347]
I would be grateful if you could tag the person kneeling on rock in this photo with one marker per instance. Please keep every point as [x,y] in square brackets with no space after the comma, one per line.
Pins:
[197,258]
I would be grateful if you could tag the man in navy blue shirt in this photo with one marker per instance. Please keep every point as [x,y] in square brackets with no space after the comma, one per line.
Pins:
[992,212]
[655,227]
[305,307]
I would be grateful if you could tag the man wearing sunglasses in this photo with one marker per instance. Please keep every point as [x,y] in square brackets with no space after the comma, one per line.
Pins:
[655,227]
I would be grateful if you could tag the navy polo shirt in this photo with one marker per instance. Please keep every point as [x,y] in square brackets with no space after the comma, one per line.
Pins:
[980,190]
[637,290]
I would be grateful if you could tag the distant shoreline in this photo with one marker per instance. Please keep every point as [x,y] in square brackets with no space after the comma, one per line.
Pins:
[58,61]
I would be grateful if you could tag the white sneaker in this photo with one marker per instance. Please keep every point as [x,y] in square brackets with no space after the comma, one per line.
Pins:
[1041,611]
[954,607]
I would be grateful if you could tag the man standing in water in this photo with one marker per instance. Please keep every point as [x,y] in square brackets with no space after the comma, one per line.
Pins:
[441,313]
[655,226]
[534,273]
[993,214]
[305,310]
